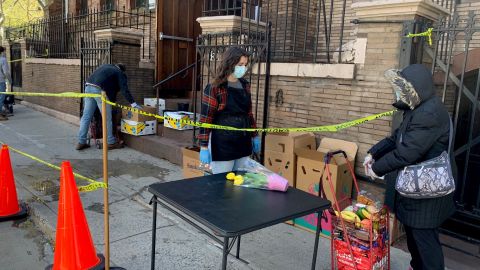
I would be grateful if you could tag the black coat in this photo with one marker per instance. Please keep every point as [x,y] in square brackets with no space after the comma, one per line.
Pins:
[423,134]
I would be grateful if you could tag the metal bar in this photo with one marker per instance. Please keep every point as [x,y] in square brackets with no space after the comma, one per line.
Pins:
[285,33]
[163,37]
[267,87]
[174,75]
[342,28]
[317,30]
[225,253]
[306,29]
[154,231]
[238,246]
[295,30]
[330,31]
[317,236]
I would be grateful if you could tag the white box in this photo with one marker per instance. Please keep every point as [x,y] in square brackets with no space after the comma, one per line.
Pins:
[139,128]
[152,102]
[176,117]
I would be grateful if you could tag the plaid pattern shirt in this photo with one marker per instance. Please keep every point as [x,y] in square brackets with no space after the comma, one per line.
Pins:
[214,100]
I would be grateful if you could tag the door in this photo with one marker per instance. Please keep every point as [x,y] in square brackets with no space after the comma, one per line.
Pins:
[177,30]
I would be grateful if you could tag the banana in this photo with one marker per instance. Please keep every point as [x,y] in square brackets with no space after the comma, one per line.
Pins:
[365,213]
[350,216]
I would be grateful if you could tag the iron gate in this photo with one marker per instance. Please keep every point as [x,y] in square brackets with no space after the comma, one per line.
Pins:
[256,40]
[454,58]
[91,58]
[16,64]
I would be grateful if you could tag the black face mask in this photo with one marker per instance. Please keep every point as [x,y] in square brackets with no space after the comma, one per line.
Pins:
[401,105]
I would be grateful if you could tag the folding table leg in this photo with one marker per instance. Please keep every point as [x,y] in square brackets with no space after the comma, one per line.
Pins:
[317,236]
[238,246]
[225,253]
[154,232]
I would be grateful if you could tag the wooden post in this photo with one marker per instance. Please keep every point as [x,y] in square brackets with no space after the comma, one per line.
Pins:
[105,180]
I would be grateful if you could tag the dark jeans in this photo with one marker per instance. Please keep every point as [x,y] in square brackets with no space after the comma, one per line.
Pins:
[425,249]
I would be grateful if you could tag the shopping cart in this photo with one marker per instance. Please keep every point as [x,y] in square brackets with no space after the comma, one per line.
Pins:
[357,245]
[96,128]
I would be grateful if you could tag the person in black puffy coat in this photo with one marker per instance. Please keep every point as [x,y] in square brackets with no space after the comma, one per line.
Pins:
[423,135]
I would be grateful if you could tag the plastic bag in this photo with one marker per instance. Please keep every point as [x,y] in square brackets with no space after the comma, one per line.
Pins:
[255,175]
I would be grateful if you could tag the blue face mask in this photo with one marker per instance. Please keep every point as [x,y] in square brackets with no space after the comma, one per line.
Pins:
[239,71]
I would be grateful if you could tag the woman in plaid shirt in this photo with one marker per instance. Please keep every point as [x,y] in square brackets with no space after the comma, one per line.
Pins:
[227,101]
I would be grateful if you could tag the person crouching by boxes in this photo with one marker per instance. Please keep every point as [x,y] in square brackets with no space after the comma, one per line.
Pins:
[111,79]
[227,101]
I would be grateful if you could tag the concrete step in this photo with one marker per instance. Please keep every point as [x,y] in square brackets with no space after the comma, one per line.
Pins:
[159,147]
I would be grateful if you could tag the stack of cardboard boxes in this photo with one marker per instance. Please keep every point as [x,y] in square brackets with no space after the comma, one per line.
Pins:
[137,124]
[311,172]
[280,155]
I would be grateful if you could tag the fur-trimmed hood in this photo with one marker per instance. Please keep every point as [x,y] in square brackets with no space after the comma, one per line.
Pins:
[413,85]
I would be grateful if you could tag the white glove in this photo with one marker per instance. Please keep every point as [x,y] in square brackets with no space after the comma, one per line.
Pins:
[371,173]
[368,162]
[136,106]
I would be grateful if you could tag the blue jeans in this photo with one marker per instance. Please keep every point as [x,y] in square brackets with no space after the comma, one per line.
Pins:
[3,88]
[89,107]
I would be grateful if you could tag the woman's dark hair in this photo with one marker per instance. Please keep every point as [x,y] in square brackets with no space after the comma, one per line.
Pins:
[121,66]
[2,49]
[230,59]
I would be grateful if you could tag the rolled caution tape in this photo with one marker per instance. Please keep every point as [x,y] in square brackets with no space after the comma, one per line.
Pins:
[91,187]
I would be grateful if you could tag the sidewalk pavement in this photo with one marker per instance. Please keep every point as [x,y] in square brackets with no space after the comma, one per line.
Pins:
[179,245]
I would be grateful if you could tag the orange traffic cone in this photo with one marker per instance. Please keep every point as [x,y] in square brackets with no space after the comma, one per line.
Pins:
[10,209]
[74,248]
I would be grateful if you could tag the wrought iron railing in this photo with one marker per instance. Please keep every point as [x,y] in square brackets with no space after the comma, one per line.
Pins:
[448,4]
[60,36]
[302,30]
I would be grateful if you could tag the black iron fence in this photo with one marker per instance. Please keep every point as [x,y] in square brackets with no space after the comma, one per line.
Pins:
[448,4]
[16,64]
[60,36]
[302,30]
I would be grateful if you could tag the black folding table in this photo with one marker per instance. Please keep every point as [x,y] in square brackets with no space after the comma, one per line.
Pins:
[230,211]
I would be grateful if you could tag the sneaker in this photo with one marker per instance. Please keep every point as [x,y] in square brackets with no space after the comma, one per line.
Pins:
[3,118]
[115,146]
[82,146]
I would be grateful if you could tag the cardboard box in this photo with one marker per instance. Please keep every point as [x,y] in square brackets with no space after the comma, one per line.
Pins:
[191,161]
[176,117]
[288,142]
[280,152]
[152,102]
[138,128]
[281,164]
[135,116]
[310,170]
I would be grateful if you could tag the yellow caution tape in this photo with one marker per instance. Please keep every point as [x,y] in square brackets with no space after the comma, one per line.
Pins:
[64,94]
[427,33]
[328,128]
[91,187]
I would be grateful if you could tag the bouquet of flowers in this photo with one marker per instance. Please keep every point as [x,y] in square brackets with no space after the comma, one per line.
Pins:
[253,175]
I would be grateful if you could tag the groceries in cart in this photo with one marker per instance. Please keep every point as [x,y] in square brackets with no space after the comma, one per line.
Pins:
[362,229]
[253,175]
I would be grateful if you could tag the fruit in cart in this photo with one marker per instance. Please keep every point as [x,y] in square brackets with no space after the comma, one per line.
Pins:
[350,217]
[360,214]
[365,213]
[372,209]
[348,208]
[366,224]
[238,180]
[231,176]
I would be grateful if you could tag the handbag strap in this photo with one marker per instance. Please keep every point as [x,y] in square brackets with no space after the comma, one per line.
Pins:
[450,137]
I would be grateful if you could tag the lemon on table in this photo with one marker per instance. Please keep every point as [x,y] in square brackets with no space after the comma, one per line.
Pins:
[238,180]
[231,176]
